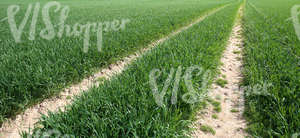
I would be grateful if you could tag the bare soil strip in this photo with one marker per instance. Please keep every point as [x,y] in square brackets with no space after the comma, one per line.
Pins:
[228,123]
[23,122]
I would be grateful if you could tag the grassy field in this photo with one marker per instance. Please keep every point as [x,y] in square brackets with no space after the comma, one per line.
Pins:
[272,52]
[125,106]
[43,63]
[34,70]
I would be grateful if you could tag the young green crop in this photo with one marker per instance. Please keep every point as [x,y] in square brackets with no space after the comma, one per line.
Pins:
[125,106]
[34,70]
[272,52]
[207,129]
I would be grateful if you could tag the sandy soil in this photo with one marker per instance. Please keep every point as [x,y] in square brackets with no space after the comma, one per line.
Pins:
[30,117]
[228,124]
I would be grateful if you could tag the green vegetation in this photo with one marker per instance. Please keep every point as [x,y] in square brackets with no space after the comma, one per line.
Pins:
[101,79]
[214,116]
[236,52]
[221,82]
[218,97]
[216,104]
[34,70]
[207,129]
[234,110]
[68,97]
[272,52]
[125,106]
[218,109]
[213,102]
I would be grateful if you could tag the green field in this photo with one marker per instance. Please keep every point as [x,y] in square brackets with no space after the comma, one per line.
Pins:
[34,70]
[126,105]
[272,52]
